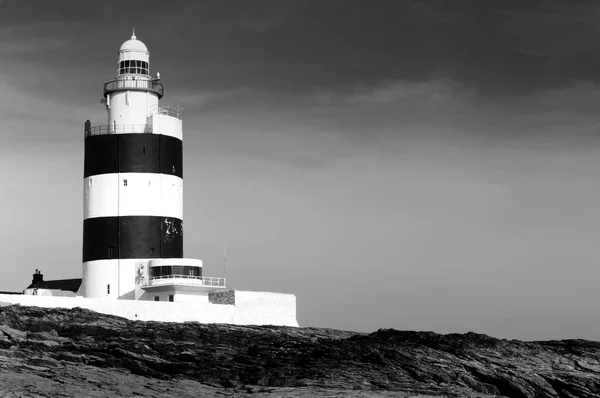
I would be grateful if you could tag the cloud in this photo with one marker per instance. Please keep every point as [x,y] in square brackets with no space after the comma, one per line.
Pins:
[397,91]
[14,47]
[30,119]
[552,19]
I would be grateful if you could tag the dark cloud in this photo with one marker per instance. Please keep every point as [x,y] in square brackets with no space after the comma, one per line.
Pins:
[503,48]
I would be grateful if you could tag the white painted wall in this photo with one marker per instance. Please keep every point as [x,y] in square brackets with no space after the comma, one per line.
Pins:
[128,277]
[167,125]
[146,194]
[196,298]
[264,308]
[134,310]
[101,196]
[162,296]
[121,275]
[180,297]
[96,277]
[251,308]
[131,107]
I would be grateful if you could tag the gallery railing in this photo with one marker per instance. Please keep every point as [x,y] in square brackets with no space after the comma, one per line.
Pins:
[118,129]
[173,111]
[135,85]
[206,280]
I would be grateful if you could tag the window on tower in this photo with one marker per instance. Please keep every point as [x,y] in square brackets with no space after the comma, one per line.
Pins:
[133,66]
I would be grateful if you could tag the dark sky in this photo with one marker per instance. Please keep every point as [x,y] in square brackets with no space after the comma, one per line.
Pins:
[409,164]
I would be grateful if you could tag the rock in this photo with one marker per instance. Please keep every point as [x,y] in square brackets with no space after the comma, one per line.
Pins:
[52,335]
[78,352]
[12,334]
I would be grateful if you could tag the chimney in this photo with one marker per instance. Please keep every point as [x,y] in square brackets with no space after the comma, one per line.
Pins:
[37,277]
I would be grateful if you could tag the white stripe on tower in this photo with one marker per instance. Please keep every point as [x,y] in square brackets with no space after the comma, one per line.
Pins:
[133,194]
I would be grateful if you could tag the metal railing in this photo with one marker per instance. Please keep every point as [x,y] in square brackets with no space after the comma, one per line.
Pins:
[118,129]
[136,85]
[212,281]
[173,111]
[206,280]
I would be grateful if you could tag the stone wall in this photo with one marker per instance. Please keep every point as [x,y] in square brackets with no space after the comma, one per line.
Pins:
[222,297]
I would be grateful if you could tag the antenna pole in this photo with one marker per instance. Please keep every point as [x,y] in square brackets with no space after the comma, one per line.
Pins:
[225,263]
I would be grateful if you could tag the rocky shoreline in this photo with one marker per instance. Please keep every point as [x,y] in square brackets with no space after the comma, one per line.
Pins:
[74,353]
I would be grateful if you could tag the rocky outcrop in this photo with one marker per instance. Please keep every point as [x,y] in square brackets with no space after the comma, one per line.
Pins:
[58,352]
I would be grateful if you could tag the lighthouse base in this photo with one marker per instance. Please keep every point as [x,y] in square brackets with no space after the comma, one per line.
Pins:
[239,308]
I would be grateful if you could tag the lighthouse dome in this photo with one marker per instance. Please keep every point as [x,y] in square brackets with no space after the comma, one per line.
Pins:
[134,44]
[134,58]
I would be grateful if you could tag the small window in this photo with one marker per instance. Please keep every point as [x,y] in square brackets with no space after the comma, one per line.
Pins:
[148,183]
[151,250]
[90,182]
[111,250]
[144,150]
[107,289]
[156,298]
[125,182]
[171,297]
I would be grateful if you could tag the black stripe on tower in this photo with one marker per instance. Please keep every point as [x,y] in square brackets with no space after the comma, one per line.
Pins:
[133,153]
[132,237]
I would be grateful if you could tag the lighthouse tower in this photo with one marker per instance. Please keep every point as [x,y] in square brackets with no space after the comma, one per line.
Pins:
[133,186]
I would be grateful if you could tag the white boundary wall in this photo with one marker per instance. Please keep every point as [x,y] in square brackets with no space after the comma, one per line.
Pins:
[251,308]
[261,308]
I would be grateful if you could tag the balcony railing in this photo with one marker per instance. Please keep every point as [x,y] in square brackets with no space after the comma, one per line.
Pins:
[212,281]
[135,85]
[206,280]
[118,129]
[173,111]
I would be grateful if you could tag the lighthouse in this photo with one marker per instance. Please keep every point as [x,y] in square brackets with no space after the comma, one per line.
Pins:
[133,193]
[133,219]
